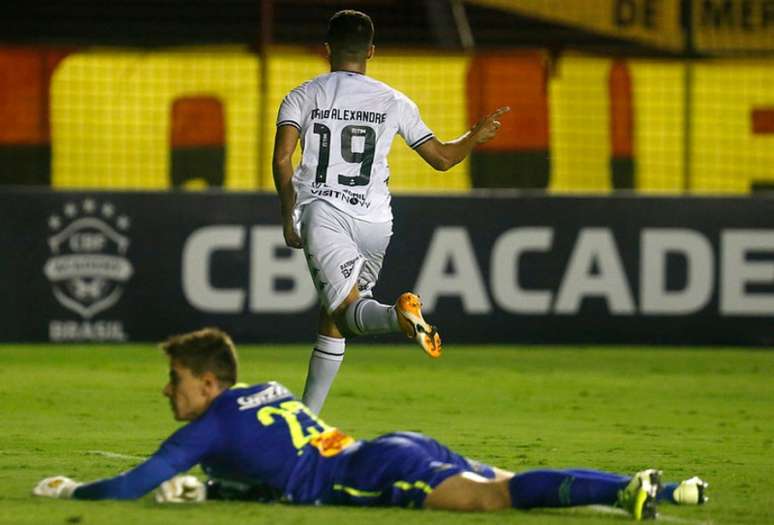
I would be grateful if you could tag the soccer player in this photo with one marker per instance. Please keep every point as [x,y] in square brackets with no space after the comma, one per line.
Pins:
[336,204]
[259,441]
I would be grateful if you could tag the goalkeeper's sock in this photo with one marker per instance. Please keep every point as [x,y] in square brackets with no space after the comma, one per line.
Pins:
[324,364]
[367,316]
[564,488]
[667,493]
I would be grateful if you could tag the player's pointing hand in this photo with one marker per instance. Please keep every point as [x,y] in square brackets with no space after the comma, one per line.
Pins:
[486,128]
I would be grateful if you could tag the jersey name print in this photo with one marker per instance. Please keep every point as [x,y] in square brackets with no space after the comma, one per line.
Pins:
[349,114]
[347,122]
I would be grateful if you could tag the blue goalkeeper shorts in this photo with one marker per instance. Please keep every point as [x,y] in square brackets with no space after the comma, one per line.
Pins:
[398,469]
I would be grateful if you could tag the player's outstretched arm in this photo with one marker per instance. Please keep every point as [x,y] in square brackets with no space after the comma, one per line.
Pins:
[444,155]
[177,454]
[129,485]
[285,142]
[179,489]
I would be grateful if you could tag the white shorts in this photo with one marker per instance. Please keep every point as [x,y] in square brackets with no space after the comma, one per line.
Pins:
[341,251]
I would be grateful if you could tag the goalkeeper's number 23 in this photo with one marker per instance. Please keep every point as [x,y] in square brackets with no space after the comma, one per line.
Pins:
[288,411]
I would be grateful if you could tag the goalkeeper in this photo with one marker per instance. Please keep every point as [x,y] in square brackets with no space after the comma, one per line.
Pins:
[259,442]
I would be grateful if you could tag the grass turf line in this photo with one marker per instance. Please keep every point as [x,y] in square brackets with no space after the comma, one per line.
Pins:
[687,411]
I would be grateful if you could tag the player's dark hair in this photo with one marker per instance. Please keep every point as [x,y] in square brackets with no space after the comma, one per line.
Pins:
[350,34]
[205,350]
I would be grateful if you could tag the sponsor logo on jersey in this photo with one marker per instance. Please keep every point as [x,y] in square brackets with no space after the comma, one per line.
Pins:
[271,393]
[353,198]
[347,267]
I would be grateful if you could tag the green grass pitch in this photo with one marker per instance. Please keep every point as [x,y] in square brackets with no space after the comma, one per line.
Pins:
[87,411]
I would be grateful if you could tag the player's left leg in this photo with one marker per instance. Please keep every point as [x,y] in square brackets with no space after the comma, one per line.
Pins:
[360,313]
[549,488]
[334,262]
[366,316]
[691,491]
[324,363]
[469,492]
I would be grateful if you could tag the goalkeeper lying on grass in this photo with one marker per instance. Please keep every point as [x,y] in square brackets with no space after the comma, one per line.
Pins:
[261,443]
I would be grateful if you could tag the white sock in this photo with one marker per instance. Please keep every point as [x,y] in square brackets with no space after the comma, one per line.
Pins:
[367,316]
[324,364]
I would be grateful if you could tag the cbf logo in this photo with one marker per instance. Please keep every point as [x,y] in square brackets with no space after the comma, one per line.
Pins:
[88,268]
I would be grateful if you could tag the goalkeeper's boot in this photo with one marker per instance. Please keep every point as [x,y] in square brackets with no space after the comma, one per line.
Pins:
[408,308]
[691,492]
[638,498]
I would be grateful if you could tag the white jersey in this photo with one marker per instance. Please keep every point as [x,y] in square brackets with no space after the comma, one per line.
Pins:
[347,122]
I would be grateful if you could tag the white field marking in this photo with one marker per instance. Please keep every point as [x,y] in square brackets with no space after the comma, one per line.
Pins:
[113,455]
[669,519]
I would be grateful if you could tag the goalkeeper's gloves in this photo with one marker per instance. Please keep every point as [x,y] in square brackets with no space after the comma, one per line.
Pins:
[181,489]
[56,487]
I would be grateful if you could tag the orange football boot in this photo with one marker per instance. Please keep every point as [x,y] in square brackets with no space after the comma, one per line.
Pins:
[409,310]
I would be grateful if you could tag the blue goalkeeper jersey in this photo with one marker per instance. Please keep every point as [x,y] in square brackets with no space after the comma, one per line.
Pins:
[253,435]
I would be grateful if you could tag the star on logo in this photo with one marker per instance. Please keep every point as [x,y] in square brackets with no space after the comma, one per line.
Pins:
[89,206]
[123,222]
[108,210]
[54,222]
[70,210]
